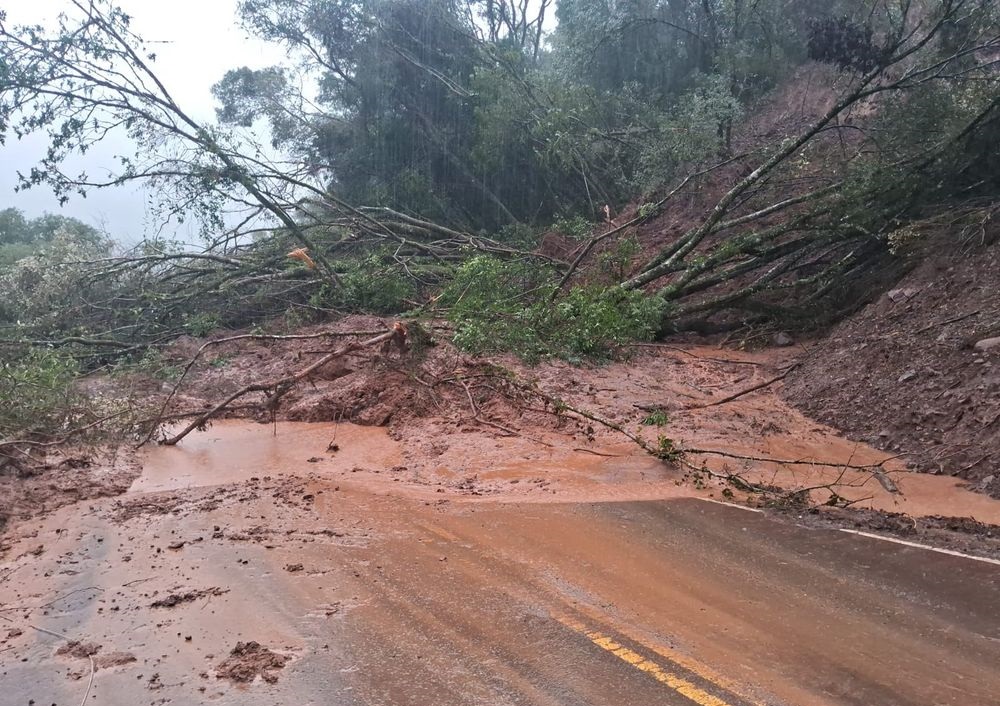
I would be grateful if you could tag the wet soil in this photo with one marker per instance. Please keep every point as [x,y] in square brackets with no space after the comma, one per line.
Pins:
[413,598]
[249,660]
[292,561]
[454,426]
[904,374]
[59,478]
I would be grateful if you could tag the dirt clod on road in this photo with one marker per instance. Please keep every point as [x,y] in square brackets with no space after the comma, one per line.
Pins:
[248,660]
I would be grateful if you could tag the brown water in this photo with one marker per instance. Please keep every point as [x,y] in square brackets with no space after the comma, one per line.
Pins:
[232,451]
[367,458]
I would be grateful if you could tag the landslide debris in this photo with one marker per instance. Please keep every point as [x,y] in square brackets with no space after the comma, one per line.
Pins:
[915,371]
[248,660]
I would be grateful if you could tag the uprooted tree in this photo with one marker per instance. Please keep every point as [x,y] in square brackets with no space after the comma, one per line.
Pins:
[416,152]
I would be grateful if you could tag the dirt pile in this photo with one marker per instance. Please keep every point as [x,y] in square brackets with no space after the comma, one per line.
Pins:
[915,372]
[248,660]
[432,379]
[79,650]
[60,478]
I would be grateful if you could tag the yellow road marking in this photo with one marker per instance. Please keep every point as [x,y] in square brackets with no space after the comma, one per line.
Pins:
[689,663]
[678,684]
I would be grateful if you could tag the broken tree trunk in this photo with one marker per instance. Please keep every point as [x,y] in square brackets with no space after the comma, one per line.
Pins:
[276,389]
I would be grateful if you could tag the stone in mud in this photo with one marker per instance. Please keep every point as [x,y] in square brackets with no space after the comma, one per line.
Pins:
[175,599]
[114,659]
[248,660]
[901,295]
[988,344]
[783,340]
[78,649]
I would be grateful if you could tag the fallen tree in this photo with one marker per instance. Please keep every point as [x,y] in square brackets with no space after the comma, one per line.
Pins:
[274,390]
[794,230]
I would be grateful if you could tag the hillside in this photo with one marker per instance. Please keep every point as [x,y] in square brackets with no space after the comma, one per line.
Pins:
[917,372]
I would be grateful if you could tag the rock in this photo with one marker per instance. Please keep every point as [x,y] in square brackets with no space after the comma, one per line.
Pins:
[984,484]
[901,295]
[783,340]
[907,376]
[988,344]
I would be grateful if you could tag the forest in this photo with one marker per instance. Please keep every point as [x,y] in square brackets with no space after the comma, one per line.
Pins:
[551,179]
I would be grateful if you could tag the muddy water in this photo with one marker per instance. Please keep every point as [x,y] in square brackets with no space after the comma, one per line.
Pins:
[803,441]
[232,451]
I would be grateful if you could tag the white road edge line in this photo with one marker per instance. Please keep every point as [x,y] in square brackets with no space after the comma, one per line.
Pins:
[922,546]
[738,507]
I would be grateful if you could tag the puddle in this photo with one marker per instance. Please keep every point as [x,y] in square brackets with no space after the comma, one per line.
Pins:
[920,495]
[234,450]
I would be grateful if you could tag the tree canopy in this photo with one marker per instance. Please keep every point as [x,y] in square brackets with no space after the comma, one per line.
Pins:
[21,236]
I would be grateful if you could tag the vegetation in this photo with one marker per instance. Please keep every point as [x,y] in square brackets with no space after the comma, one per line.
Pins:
[425,153]
[501,306]
[42,383]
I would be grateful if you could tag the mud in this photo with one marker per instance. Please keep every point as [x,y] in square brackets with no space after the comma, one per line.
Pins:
[326,550]
[79,650]
[961,534]
[61,478]
[492,443]
[233,451]
[249,660]
[176,599]
[407,598]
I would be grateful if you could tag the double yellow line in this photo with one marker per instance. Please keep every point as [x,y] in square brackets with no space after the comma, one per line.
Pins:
[662,674]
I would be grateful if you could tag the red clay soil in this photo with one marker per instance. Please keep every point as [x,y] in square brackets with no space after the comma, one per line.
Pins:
[248,660]
[905,375]
[62,477]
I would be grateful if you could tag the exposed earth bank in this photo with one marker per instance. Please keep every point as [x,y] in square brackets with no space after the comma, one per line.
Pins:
[917,372]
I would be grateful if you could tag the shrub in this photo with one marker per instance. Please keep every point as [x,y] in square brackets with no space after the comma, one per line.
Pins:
[38,393]
[369,286]
[499,306]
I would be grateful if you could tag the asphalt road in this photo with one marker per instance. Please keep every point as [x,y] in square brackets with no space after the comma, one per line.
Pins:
[403,601]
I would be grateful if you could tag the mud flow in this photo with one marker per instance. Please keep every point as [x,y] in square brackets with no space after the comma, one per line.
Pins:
[436,561]
[234,451]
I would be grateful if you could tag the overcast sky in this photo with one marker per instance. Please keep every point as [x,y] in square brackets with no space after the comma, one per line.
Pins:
[203,42]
